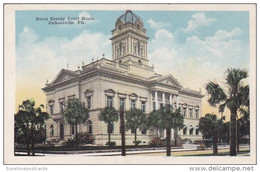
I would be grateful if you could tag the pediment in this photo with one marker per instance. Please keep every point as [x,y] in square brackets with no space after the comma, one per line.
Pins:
[110,91]
[133,95]
[63,76]
[169,80]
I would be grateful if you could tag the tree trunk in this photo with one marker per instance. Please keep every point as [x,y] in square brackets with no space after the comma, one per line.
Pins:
[233,134]
[122,125]
[109,131]
[77,141]
[135,137]
[168,141]
[215,143]
[32,139]
[175,136]
[27,139]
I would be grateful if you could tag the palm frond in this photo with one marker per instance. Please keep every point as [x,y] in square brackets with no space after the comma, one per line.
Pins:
[217,94]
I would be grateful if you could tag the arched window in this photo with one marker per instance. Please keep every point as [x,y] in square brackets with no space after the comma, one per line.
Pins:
[184,130]
[89,124]
[120,48]
[191,130]
[197,130]
[139,48]
[52,130]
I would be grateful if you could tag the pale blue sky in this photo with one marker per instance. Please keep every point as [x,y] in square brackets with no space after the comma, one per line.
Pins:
[105,21]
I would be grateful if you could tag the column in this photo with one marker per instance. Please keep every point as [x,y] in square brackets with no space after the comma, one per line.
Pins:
[156,100]
[171,99]
[151,102]
[174,98]
[163,97]
[138,103]
[116,102]
[177,101]
[127,103]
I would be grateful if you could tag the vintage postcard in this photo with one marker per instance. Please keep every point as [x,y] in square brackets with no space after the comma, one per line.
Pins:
[130,84]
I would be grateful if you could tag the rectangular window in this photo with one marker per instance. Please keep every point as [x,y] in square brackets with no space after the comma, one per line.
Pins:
[89,102]
[61,106]
[122,103]
[51,109]
[133,104]
[184,112]
[143,106]
[197,114]
[123,50]
[109,101]
[191,113]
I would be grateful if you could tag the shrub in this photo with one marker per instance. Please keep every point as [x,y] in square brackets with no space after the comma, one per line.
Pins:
[111,144]
[156,141]
[83,138]
[197,142]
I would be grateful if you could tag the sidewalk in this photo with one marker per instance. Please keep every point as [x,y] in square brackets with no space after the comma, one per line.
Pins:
[117,152]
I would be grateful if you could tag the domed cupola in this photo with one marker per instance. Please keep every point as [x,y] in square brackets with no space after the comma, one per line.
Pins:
[130,17]
[129,39]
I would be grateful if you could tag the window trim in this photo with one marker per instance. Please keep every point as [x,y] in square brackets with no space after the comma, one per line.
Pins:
[107,105]
[143,103]
[132,100]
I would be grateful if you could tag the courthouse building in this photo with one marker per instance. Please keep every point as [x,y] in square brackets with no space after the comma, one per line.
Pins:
[127,80]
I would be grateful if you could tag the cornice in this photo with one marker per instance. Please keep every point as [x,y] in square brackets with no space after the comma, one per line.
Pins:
[129,31]
[122,77]
[191,93]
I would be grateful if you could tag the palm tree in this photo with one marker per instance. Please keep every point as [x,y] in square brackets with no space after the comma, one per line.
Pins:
[168,120]
[152,121]
[178,123]
[28,117]
[75,113]
[135,119]
[109,115]
[210,127]
[232,99]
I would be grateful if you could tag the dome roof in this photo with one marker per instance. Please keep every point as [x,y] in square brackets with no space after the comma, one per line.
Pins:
[129,16]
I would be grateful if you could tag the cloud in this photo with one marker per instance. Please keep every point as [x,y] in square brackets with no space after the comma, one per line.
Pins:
[84,14]
[157,25]
[43,59]
[196,61]
[198,19]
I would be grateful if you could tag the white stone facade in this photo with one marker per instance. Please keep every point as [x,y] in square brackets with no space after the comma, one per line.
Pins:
[129,78]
